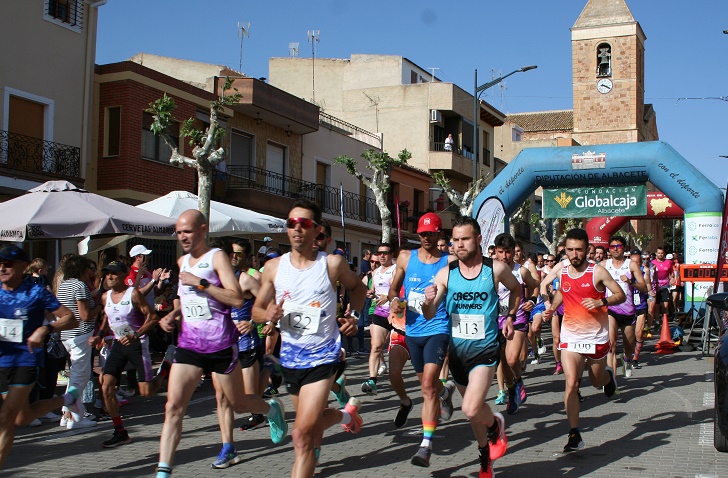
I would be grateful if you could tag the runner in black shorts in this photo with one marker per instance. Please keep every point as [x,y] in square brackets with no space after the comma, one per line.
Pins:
[23,306]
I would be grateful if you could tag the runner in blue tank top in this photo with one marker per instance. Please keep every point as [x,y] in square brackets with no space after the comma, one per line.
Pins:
[468,288]
[427,340]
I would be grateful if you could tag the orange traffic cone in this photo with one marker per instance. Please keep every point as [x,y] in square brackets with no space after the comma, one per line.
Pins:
[666,345]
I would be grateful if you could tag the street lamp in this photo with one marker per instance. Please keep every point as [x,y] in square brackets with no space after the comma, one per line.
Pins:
[476,113]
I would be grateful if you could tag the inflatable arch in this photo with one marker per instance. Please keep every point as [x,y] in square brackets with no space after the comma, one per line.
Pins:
[618,164]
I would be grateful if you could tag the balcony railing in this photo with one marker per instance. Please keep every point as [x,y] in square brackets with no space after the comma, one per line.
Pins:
[34,155]
[441,147]
[356,207]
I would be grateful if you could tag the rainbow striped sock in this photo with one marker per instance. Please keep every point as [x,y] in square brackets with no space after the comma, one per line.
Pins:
[428,429]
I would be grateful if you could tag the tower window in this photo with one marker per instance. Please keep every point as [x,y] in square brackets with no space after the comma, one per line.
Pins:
[604,60]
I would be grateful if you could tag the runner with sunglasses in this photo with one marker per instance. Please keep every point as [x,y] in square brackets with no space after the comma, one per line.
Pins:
[427,339]
[622,316]
[298,292]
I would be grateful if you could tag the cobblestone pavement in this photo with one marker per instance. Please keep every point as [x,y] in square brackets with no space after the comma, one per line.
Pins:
[661,425]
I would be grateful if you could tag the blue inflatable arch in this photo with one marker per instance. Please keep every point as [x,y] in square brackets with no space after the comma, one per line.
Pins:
[629,163]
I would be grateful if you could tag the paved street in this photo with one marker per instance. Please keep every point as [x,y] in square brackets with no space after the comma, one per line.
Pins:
[659,426]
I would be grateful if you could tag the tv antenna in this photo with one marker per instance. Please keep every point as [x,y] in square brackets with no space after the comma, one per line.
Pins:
[293,49]
[243,32]
[314,36]
[375,103]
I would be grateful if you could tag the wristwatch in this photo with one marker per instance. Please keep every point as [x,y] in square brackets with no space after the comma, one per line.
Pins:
[604,301]
[354,314]
[511,316]
[204,284]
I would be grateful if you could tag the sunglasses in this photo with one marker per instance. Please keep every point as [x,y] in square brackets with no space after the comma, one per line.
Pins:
[427,234]
[374,262]
[384,253]
[305,222]
[7,264]
[320,237]
[238,253]
[551,260]
[616,246]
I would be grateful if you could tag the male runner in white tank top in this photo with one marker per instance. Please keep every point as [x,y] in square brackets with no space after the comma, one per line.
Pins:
[297,291]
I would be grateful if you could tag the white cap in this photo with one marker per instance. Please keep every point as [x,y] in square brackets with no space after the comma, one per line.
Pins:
[139,249]
[267,239]
[668,257]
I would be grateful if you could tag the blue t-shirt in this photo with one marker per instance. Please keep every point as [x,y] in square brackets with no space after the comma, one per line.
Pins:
[473,308]
[23,311]
[250,340]
[418,276]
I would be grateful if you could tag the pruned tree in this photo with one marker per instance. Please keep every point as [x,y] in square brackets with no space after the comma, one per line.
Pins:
[641,241]
[204,154]
[464,202]
[381,164]
[520,215]
[559,229]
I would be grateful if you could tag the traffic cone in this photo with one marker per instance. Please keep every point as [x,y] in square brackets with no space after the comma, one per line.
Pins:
[666,345]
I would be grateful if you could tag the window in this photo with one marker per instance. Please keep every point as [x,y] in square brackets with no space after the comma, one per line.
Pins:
[275,162]
[67,13]
[604,60]
[516,134]
[112,135]
[153,146]
[486,151]
[413,77]
[241,154]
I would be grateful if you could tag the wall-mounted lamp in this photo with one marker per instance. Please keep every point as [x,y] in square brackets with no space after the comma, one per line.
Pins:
[288,131]
[258,120]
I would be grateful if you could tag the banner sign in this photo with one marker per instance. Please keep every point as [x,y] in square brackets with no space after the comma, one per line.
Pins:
[595,202]
[491,217]
[702,243]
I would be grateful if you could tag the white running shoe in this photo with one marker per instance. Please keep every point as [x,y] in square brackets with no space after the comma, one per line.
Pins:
[50,417]
[34,423]
[83,423]
[382,369]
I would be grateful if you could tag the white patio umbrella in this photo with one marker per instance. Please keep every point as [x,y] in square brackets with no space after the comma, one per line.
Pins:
[59,209]
[224,219]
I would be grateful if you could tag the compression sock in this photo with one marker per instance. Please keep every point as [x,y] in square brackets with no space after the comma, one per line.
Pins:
[164,470]
[118,426]
[637,350]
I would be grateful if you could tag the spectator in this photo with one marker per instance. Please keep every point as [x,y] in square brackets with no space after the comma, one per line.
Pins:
[449,142]
[266,247]
[366,265]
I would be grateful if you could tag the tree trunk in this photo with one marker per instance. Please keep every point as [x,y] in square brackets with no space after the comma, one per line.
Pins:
[204,188]
[386,217]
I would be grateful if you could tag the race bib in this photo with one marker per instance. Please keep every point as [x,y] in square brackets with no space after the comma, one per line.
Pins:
[637,300]
[503,307]
[196,308]
[468,326]
[581,348]
[11,330]
[300,319]
[121,329]
[415,301]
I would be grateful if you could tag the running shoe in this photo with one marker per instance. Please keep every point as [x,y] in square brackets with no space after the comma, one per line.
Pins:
[531,354]
[64,422]
[278,425]
[559,370]
[270,391]
[446,407]
[382,369]
[498,440]
[226,459]
[253,422]
[317,454]
[486,465]
[541,346]
[369,387]
[502,397]
[575,442]
[402,414]
[627,365]
[117,439]
[636,364]
[356,422]
[35,423]
[521,394]
[82,423]
[49,417]
[611,387]
[124,393]
[122,401]
[512,406]
[342,396]
[103,416]
[422,457]
[536,360]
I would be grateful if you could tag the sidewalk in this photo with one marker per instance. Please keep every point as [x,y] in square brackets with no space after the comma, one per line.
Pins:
[659,426]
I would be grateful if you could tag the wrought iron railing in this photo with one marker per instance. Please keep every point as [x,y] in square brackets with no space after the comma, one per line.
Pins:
[356,207]
[34,155]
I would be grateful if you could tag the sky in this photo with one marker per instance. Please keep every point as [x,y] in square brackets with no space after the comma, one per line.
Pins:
[685,49]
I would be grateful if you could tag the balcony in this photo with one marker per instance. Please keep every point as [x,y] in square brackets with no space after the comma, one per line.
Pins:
[274,185]
[457,162]
[37,158]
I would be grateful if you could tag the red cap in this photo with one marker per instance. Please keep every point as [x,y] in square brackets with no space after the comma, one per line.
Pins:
[429,222]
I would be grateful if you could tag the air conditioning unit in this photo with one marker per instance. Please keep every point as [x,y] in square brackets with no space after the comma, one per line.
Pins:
[435,116]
